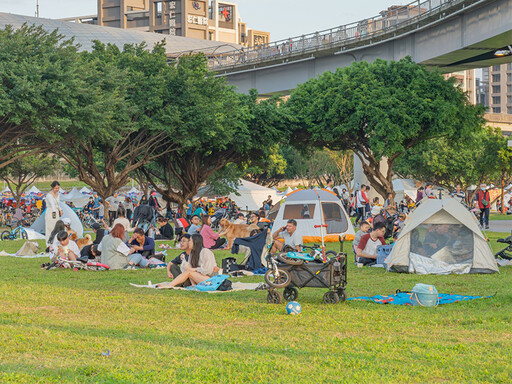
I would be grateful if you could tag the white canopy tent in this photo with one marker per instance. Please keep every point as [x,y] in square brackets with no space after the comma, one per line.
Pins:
[440,237]
[33,190]
[315,207]
[39,225]
[76,197]
[404,187]
[85,190]
[250,196]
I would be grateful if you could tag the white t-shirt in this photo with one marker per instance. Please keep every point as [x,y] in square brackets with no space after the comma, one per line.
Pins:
[113,203]
[124,222]
[291,240]
[71,247]
[360,201]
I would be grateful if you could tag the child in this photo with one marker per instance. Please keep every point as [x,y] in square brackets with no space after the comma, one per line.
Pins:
[363,230]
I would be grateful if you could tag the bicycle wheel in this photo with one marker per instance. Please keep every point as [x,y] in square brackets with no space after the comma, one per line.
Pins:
[288,260]
[6,235]
[330,255]
[277,280]
[22,234]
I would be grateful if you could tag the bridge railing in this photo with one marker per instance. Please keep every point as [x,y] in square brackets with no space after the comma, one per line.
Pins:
[361,32]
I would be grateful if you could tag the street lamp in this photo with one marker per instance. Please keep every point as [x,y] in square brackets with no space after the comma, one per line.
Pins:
[503,52]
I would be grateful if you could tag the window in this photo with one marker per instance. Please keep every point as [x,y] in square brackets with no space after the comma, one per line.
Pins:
[496,89]
[299,211]
[509,99]
[495,68]
[509,110]
[496,78]
[496,99]
[334,218]
[496,110]
[509,77]
[509,67]
[509,88]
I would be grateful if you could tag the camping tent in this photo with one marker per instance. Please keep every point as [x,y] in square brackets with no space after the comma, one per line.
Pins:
[288,190]
[85,190]
[404,187]
[34,190]
[76,224]
[134,191]
[306,207]
[250,196]
[76,197]
[441,236]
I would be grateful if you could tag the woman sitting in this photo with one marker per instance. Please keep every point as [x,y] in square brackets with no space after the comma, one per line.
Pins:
[52,240]
[114,252]
[211,239]
[121,219]
[201,265]
[165,232]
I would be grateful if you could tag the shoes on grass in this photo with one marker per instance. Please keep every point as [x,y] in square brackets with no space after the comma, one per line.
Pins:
[129,267]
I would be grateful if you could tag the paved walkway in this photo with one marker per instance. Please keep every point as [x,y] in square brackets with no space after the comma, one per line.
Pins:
[500,226]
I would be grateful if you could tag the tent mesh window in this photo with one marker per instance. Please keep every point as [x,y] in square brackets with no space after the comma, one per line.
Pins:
[334,218]
[450,243]
[299,211]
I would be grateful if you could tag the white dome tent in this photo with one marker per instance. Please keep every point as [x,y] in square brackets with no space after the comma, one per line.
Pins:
[315,207]
[33,190]
[76,197]
[440,237]
[39,225]
[250,196]
[85,190]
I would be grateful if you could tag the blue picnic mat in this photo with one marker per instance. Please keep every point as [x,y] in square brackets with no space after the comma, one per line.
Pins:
[404,298]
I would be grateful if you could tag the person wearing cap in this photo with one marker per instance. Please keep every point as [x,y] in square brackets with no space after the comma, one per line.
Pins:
[67,224]
[100,233]
[483,199]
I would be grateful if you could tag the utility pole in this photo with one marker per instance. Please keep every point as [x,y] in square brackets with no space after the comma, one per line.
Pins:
[37,8]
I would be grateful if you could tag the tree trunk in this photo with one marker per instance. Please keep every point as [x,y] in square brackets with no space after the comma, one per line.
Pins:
[382,183]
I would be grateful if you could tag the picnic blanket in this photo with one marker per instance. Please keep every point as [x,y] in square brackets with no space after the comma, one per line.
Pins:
[405,298]
[235,287]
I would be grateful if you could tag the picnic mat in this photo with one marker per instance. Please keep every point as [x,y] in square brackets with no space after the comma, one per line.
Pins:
[404,298]
[235,287]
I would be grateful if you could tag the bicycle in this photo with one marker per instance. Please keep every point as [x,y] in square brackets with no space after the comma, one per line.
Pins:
[298,258]
[13,234]
[59,262]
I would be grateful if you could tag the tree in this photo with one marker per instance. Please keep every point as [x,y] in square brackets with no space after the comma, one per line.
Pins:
[21,173]
[378,111]
[215,127]
[43,92]
[135,85]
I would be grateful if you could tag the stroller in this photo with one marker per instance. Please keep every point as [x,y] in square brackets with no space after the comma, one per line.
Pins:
[290,275]
[217,217]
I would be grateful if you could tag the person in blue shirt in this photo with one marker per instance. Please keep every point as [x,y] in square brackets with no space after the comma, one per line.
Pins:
[189,209]
[143,248]
[195,226]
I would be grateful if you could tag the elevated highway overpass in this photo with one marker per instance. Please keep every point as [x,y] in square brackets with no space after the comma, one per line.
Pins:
[451,35]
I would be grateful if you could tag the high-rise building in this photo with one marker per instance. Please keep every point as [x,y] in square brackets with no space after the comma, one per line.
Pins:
[499,94]
[201,19]
[467,80]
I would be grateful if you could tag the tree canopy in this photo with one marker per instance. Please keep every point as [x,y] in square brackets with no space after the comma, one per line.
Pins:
[379,110]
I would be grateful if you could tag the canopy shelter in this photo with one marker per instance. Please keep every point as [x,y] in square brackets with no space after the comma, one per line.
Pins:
[85,190]
[75,197]
[440,237]
[250,196]
[133,191]
[312,208]
[39,225]
[33,190]
[404,187]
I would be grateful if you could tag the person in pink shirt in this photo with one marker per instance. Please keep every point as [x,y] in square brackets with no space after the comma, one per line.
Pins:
[211,240]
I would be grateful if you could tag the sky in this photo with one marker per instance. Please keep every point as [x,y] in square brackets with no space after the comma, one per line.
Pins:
[282,18]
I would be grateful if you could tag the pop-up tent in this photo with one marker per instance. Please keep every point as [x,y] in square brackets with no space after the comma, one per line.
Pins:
[85,190]
[312,208]
[76,197]
[39,225]
[33,190]
[441,236]
[250,196]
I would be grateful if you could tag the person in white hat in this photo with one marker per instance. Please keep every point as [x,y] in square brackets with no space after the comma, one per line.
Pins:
[67,223]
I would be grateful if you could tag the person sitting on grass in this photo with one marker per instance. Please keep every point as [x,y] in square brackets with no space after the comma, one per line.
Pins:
[211,239]
[177,266]
[363,230]
[165,232]
[67,223]
[200,266]
[90,252]
[195,226]
[289,235]
[366,250]
[143,246]
[52,240]
[114,251]
[66,248]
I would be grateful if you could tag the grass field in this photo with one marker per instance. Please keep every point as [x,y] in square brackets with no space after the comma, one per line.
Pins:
[54,326]
[499,216]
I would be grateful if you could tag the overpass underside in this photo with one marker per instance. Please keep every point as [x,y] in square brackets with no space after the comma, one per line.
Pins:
[465,36]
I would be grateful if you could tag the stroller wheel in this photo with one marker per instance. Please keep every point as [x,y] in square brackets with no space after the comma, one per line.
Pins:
[331,297]
[290,293]
[279,279]
[342,295]
[274,297]
[288,260]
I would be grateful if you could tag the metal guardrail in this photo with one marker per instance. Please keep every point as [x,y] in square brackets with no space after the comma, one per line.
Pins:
[359,33]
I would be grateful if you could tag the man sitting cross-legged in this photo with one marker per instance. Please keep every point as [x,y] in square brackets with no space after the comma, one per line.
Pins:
[366,250]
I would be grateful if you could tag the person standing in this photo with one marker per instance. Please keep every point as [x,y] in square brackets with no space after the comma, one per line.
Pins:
[483,199]
[361,201]
[113,204]
[53,210]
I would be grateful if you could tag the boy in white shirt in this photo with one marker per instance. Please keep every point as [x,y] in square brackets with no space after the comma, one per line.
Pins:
[66,248]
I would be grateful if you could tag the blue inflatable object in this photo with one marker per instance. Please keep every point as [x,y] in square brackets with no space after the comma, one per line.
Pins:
[293,308]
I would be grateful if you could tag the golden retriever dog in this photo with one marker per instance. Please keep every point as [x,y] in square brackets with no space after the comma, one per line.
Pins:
[231,231]
[87,240]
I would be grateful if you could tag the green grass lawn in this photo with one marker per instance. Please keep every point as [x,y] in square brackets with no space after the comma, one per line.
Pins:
[499,216]
[54,326]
